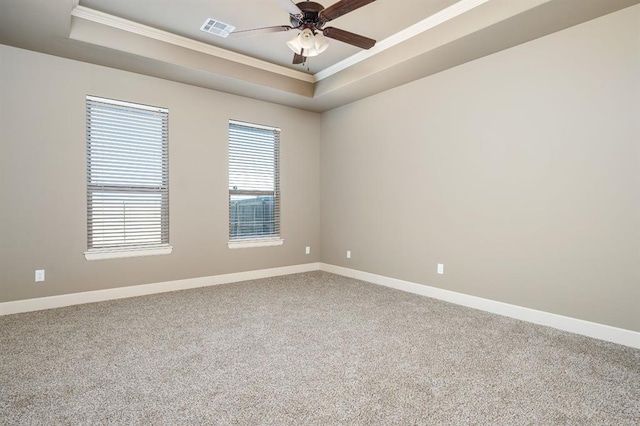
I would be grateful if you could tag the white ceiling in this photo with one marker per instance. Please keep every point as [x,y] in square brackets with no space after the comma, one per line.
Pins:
[162,38]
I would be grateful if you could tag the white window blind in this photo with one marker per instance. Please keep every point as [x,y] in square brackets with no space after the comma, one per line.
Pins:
[127,175]
[254,186]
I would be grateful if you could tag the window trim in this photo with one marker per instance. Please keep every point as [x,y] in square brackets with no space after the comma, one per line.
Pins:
[253,240]
[102,253]
[249,243]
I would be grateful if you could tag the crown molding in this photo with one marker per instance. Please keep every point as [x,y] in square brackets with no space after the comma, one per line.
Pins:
[93,15]
[426,24]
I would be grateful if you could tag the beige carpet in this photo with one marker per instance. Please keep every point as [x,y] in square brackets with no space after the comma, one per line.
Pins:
[312,348]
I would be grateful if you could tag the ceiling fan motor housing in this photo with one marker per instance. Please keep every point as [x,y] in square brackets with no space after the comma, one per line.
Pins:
[310,16]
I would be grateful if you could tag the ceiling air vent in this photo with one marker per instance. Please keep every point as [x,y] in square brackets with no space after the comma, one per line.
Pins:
[217,28]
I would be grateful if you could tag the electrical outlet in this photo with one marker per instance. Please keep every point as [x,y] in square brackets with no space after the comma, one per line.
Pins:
[440,269]
[307,250]
[39,275]
[348,254]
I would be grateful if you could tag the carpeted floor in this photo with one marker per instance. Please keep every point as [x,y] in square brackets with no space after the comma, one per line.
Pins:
[311,348]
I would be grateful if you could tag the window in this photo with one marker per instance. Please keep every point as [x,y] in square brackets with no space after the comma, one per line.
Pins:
[127,179]
[254,187]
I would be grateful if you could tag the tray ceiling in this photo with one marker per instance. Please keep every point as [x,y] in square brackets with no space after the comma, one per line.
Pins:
[162,38]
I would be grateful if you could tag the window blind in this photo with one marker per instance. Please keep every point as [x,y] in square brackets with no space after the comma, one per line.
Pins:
[127,175]
[254,182]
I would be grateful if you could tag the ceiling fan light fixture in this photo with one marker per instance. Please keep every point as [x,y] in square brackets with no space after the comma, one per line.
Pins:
[309,18]
[308,44]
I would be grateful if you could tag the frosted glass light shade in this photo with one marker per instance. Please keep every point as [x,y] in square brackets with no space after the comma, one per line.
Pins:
[321,44]
[294,45]
[306,39]
[308,44]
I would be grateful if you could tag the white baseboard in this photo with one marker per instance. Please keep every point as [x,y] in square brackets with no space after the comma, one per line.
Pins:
[573,325]
[50,302]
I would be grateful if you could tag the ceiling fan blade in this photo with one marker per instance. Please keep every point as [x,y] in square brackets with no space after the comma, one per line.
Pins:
[340,8]
[290,7]
[257,31]
[299,59]
[349,38]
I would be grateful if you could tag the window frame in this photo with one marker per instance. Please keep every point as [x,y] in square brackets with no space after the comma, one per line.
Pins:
[255,240]
[127,189]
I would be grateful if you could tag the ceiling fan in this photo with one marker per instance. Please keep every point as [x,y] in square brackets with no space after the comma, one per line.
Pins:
[310,17]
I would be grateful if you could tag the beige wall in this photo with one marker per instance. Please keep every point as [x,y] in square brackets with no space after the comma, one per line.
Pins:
[519,171]
[43,192]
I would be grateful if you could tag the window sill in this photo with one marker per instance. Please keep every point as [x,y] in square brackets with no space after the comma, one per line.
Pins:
[115,254]
[256,243]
